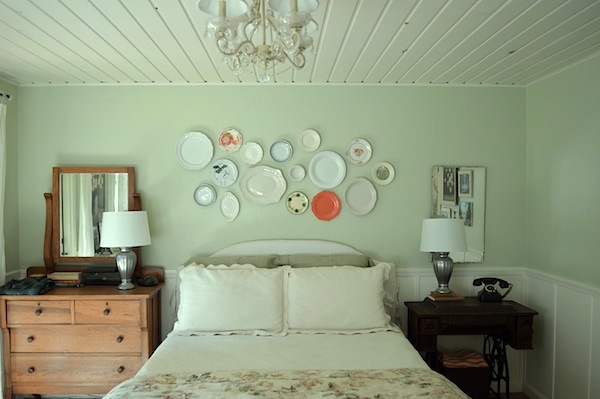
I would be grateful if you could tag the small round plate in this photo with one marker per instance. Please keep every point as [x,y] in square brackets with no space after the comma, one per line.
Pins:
[297,173]
[383,173]
[281,151]
[251,153]
[229,206]
[326,205]
[327,169]
[359,151]
[205,195]
[223,172]
[360,196]
[230,140]
[309,140]
[297,202]
[194,150]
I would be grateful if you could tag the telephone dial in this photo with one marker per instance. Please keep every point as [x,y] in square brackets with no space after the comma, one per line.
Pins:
[489,293]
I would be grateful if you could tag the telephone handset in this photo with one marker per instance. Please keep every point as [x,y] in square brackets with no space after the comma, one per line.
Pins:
[489,293]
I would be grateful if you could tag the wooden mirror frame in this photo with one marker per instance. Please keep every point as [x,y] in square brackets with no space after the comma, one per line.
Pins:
[52,259]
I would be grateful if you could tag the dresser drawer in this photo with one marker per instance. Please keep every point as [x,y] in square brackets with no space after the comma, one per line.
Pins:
[107,312]
[38,312]
[48,368]
[75,338]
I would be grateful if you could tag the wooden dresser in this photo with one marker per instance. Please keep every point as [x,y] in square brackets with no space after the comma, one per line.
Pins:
[77,340]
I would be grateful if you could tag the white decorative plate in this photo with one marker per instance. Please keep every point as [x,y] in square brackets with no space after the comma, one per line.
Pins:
[297,202]
[383,173]
[223,172]
[205,195]
[297,173]
[230,140]
[327,169]
[251,153]
[360,196]
[309,140]
[359,151]
[229,206]
[281,151]
[194,150]
[262,185]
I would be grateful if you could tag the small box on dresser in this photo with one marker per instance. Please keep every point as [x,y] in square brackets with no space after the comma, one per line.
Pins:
[82,340]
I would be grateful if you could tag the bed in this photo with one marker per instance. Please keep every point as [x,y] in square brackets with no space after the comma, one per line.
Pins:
[286,319]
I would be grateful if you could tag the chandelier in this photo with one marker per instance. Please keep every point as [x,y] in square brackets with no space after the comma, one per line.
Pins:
[263,34]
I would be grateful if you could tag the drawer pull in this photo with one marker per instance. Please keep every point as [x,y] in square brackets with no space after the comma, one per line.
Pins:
[120,369]
[119,339]
[30,370]
[106,312]
[29,339]
[38,312]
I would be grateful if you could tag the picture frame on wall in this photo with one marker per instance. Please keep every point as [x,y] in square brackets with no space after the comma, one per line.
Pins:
[465,183]
[449,186]
[446,212]
[465,212]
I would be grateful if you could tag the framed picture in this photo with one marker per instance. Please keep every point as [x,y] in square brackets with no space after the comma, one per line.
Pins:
[449,186]
[465,183]
[446,212]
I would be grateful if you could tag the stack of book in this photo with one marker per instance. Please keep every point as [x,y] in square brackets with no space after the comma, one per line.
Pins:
[66,279]
[451,296]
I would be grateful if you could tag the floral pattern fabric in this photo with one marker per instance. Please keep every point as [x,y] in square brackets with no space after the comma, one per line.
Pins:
[405,383]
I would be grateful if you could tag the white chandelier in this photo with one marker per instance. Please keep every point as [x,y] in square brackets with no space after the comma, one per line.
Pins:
[235,26]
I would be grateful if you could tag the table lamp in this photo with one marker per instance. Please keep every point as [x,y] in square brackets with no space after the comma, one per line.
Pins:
[125,230]
[441,236]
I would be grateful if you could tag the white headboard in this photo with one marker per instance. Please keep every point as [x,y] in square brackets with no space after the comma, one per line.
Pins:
[286,247]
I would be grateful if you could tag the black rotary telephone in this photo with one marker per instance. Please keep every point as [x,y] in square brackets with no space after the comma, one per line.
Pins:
[489,293]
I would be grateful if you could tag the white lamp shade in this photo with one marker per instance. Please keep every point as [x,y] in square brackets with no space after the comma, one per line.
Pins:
[124,229]
[443,235]
[233,8]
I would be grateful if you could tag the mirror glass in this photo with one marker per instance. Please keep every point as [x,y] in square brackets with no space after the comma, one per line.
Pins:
[459,192]
[83,199]
[79,197]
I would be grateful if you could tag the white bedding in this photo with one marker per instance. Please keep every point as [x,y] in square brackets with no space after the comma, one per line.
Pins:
[381,350]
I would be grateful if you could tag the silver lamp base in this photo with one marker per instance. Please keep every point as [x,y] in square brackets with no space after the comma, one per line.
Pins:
[442,267]
[126,260]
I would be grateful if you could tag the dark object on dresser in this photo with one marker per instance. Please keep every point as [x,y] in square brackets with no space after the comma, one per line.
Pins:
[100,278]
[148,281]
[27,286]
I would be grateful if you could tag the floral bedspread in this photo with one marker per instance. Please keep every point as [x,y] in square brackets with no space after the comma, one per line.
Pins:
[402,383]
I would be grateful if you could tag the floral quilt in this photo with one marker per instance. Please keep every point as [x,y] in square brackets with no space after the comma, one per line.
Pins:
[405,383]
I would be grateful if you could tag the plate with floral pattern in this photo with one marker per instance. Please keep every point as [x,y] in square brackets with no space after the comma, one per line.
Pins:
[297,202]
[359,151]
[230,140]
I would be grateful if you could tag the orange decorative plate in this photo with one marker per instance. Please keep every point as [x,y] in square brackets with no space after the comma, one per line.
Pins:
[326,205]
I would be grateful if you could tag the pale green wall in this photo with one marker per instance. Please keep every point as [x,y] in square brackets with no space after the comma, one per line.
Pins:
[563,174]
[414,128]
[11,221]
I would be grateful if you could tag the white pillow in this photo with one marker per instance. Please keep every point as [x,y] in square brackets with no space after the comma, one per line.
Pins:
[340,298]
[231,300]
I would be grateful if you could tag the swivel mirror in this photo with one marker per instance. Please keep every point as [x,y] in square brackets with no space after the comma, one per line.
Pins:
[74,214]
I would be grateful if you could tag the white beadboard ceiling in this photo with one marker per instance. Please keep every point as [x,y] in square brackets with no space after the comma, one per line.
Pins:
[388,42]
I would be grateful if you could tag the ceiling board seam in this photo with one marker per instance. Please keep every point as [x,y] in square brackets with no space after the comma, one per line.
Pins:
[369,40]
[391,41]
[35,66]
[86,73]
[101,38]
[345,40]
[436,16]
[447,53]
[496,33]
[317,54]
[564,68]
[141,26]
[523,32]
[541,36]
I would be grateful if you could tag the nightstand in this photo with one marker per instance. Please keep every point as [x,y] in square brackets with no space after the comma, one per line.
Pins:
[81,340]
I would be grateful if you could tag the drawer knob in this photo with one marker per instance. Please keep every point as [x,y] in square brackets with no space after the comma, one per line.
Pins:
[120,369]
[31,370]
[106,312]
[38,312]
[29,339]
[119,339]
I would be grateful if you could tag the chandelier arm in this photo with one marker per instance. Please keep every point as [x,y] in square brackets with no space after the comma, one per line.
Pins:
[246,47]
